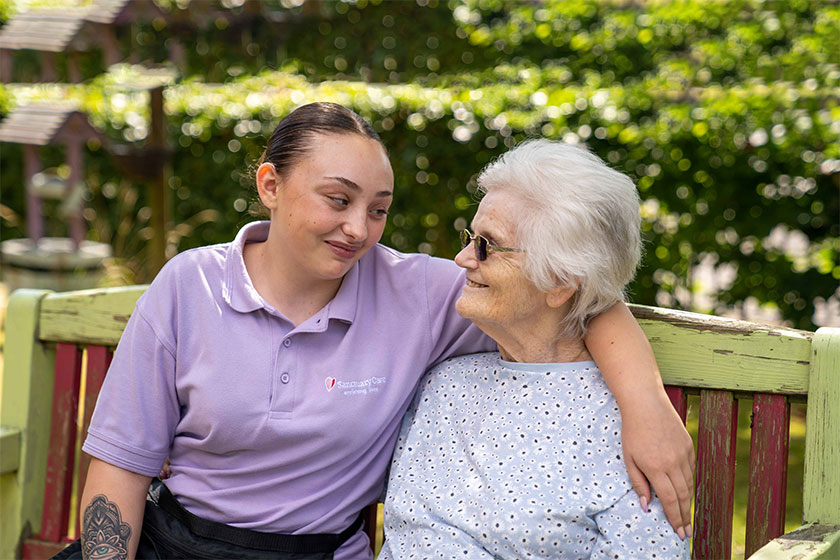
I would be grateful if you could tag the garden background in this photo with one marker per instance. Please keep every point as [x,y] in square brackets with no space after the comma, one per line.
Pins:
[726,114]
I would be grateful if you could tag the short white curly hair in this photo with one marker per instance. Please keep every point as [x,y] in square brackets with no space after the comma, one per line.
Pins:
[579,223]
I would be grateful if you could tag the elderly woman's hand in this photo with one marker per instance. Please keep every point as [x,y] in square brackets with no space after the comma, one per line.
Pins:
[656,446]
[658,449]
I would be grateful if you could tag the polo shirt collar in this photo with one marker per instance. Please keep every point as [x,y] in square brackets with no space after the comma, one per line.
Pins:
[343,305]
[238,291]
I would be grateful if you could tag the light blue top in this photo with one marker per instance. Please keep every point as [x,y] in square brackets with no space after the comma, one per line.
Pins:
[498,459]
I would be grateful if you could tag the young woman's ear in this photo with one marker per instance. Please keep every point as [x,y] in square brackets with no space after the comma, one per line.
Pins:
[558,297]
[268,185]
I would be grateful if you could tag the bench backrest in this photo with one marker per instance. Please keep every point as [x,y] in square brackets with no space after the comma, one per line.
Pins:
[58,347]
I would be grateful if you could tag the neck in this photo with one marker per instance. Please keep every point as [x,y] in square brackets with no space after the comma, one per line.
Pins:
[293,294]
[538,342]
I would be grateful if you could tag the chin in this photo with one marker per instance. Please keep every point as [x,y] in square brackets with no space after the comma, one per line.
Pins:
[464,308]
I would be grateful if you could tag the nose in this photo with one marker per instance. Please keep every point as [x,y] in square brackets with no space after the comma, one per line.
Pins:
[355,226]
[466,257]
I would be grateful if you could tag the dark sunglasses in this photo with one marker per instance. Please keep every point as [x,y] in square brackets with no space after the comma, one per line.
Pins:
[481,245]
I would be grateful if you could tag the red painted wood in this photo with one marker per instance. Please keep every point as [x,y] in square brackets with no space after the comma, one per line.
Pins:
[370,513]
[768,470]
[98,360]
[715,475]
[34,549]
[678,399]
[59,485]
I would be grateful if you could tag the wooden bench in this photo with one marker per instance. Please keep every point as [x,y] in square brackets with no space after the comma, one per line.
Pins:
[58,347]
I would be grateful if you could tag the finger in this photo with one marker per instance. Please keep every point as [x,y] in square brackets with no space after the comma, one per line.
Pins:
[640,484]
[688,475]
[667,494]
[685,501]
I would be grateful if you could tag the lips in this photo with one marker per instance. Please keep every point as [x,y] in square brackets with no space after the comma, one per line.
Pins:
[343,250]
[473,284]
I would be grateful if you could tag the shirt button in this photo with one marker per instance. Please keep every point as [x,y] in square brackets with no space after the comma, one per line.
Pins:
[287,342]
[284,378]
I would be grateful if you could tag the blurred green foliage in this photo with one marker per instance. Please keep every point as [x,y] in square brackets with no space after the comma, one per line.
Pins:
[727,115]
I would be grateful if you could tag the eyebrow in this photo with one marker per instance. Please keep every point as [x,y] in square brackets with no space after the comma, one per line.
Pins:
[356,188]
[490,235]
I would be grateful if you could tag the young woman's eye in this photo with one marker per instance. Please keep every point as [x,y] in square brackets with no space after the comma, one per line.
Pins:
[379,212]
[339,200]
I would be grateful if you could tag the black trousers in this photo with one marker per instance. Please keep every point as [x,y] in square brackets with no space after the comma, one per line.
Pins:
[171,532]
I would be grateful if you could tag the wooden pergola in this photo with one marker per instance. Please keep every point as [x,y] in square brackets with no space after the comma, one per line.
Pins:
[36,126]
[73,31]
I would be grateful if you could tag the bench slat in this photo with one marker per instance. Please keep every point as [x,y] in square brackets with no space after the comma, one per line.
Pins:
[768,471]
[89,316]
[694,350]
[679,400]
[98,360]
[821,489]
[715,475]
[68,369]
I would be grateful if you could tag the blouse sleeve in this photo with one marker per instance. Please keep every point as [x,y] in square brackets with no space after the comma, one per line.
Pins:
[137,410]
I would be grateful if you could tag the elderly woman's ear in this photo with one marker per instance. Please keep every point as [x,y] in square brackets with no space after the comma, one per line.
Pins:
[557,297]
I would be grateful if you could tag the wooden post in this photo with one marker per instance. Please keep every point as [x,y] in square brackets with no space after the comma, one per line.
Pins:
[767,491]
[98,360]
[62,442]
[158,199]
[6,66]
[74,71]
[821,492]
[678,398]
[49,72]
[25,407]
[76,219]
[716,475]
[34,209]
[110,46]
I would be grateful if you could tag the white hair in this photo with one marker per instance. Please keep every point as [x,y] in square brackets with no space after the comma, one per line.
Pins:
[579,223]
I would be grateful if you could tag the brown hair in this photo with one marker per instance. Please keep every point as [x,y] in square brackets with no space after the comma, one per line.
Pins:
[292,137]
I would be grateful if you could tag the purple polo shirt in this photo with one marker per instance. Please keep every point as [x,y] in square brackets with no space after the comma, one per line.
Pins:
[269,426]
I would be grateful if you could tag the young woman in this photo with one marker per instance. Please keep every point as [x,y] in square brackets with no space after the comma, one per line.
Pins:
[274,371]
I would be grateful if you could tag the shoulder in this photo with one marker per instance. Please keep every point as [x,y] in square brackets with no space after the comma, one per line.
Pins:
[187,274]
[409,270]
[460,370]
[391,259]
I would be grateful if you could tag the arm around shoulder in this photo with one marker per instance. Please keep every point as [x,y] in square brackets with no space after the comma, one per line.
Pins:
[111,511]
[656,446]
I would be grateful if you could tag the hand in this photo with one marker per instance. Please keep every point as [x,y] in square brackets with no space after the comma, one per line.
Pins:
[166,470]
[657,448]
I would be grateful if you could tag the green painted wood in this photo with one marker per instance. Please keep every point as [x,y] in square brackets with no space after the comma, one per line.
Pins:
[703,351]
[25,406]
[89,316]
[9,449]
[821,487]
[811,542]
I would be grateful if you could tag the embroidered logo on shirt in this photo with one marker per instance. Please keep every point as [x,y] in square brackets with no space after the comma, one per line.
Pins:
[363,387]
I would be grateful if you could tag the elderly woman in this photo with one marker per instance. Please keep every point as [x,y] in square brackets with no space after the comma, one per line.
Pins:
[517,454]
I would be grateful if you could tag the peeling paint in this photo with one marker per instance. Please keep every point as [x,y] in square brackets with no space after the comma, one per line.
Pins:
[812,533]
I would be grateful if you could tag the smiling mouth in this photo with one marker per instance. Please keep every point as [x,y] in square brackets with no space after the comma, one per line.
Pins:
[472,284]
[342,250]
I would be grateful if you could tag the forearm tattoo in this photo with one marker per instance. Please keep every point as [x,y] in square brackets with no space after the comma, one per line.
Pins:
[104,535]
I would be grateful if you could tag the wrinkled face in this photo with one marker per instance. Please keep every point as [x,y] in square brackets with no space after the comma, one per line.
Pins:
[332,205]
[497,295]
